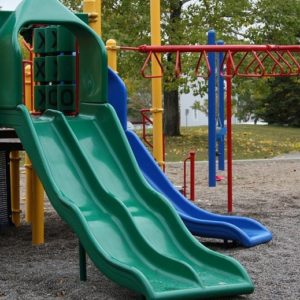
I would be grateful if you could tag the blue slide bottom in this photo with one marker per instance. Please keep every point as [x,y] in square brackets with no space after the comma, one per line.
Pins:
[244,231]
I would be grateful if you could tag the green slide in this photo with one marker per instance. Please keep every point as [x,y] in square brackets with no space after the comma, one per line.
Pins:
[129,231]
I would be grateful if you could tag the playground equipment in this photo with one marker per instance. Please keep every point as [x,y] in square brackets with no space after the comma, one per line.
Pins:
[255,61]
[80,153]
[244,231]
[216,113]
[156,82]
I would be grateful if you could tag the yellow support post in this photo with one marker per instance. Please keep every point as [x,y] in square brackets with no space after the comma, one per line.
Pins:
[157,109]
[37,212]
[15,186]
[93,9]
[27,165]
[111,46]
[28,96]
[28,195]
[34,188]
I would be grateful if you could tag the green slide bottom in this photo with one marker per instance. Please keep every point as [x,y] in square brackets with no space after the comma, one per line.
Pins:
[130,231]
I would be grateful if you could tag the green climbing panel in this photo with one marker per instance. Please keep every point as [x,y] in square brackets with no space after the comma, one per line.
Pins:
[54,69]
[39,69]
[51,97]
[66,97]
[51,39]
[51,68]
[40,97]
[66,65]
[39,41]
[65,40]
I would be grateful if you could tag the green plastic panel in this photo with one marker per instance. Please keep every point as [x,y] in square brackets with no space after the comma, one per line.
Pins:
[51,97]
[66,97]
[40,97]
[66,68]
[5,14]
[39,69]
[93,60]
[83,17]
[50,39]
[51,68]
[65,40]
[39,40]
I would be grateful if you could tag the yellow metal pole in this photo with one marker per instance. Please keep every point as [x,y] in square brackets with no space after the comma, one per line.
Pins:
[15,186]
[111,46]
[34,188]
[27,165]
[93,9]
[157,109]
[28,195]
[37,212]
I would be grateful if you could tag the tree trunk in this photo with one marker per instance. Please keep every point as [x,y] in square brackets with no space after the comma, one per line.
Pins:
[171,113]
[171,97]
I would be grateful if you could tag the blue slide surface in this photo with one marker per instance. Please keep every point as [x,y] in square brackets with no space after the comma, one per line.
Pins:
[244,231]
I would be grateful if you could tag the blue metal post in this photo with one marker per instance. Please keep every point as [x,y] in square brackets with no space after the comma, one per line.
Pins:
[221,144]
[212,113]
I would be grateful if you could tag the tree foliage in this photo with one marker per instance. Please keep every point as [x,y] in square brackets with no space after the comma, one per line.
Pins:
[275,22]
[74,5]
[187,22]
[282,105]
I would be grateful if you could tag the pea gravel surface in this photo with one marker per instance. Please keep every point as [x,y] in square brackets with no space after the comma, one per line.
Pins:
[266,190]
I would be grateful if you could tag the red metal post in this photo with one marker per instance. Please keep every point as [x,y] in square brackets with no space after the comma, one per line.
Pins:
[184,177]
[229,136]
[190,158]
[32,80]
[145,120]
[23,81]
[192,175]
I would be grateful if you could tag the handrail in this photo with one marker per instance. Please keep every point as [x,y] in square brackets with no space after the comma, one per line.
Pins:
[147,120]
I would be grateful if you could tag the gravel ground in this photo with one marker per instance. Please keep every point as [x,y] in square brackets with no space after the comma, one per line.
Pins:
[267,190]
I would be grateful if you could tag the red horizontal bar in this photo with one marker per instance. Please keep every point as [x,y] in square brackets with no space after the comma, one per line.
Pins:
[214,48]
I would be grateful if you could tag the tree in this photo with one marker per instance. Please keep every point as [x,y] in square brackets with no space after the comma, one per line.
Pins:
[75,5]
[282,105]
[250,93]
[275,23]
[186,22]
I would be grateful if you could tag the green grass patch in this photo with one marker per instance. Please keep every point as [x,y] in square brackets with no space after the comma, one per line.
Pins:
[249,142]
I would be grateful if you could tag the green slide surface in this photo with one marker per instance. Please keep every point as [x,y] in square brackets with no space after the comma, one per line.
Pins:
[130,232]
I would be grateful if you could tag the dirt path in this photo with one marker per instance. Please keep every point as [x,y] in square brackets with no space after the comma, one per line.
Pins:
[266,190]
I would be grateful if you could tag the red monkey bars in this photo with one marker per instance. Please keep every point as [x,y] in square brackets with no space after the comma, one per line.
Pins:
[246,60]
[239,60]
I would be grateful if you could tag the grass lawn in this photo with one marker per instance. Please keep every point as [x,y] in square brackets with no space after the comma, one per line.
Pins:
[249,142]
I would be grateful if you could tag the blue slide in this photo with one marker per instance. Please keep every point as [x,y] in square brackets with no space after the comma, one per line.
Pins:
[244,231]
